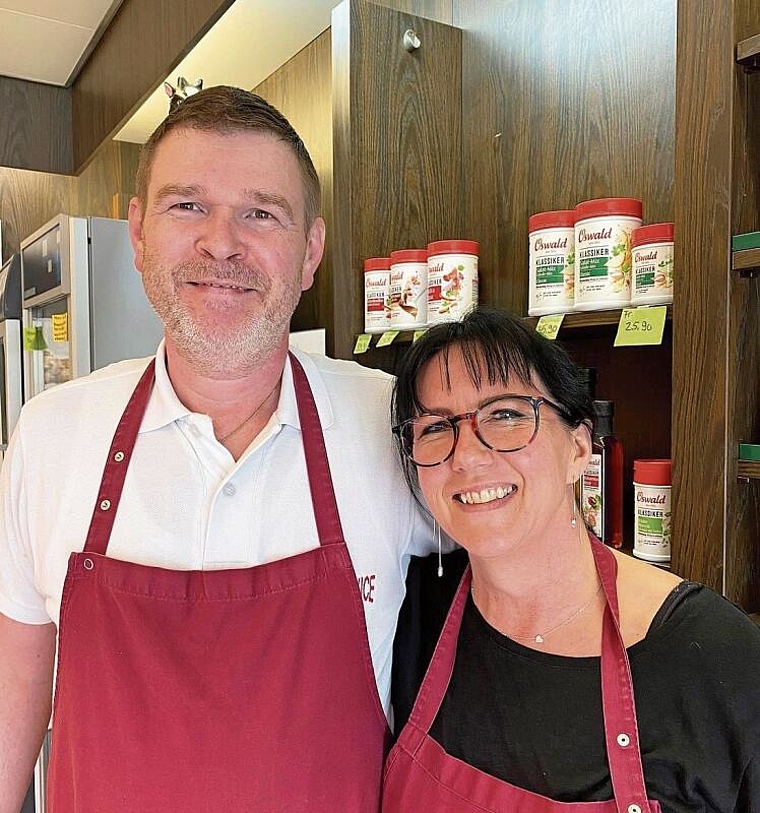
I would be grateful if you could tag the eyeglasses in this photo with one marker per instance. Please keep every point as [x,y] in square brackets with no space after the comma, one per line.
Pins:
[506,423]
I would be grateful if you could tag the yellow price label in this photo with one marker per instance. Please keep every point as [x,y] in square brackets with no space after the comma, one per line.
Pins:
[418,333]
[362,343]
[60,327]
[387,338]
[641,326]
[548,326]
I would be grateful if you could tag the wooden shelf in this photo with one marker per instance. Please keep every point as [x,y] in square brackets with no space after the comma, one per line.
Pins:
[749,469]
[585,320]
[748,53]
[746,261]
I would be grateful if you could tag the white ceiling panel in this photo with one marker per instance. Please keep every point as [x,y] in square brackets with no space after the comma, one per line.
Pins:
[87,13]
[248,43]
[40,49]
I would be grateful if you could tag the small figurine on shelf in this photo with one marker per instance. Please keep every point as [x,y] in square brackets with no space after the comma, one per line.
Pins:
[183,90]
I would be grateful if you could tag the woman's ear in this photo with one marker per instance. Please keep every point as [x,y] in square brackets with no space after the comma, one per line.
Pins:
[581,447]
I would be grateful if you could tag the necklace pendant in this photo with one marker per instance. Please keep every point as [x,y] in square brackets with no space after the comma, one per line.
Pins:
[539,639]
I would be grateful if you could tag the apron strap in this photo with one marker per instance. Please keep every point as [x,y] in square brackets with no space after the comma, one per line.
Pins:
[621,731]
[317,465]
[115,469]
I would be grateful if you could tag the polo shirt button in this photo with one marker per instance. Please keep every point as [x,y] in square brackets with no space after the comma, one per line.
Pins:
[229,489]
[634,809]
[105,505]
[623,740]
[118,457]
[88,564]
[194,430]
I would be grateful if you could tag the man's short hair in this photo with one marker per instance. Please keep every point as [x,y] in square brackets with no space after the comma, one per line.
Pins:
[224,109]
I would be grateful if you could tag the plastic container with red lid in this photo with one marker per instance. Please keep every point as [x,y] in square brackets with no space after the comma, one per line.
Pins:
[652,264]
[377,281]
[551,251]
[408,289]
[603,255]
[652,510]
[452,279]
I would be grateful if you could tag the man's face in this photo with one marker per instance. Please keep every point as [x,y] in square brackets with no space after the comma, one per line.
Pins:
[223,246]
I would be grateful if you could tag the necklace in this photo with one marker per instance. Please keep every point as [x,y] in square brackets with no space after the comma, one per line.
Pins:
[251,416]
[539,638]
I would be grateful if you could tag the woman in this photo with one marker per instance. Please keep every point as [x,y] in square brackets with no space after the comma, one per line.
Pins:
[528,701]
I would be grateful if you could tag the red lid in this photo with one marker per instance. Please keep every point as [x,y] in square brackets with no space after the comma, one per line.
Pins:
[561,218]
[377,264]
[629,207]
[653,233]
[409,255]
[651,472]
[452,247]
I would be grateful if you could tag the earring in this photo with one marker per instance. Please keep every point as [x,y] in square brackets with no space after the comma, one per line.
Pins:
[574,520]
[440,560]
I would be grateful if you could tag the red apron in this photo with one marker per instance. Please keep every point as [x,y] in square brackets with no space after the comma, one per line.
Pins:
[420,775]
[221,690]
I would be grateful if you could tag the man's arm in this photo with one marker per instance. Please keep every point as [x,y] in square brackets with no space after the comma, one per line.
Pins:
[27,653]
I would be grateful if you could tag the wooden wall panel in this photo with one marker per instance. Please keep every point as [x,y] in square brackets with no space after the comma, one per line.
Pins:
[397,146]
[301,89]
[30,199]
[716,331]
[742,546]
[35,126]
[563,100]
[144,41]
[440,10]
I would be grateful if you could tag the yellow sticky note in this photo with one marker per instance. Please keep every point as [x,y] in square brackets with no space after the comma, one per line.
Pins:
[362,343]
[387,338]
[639,326]
[60,327]
[548,326]
[418,333]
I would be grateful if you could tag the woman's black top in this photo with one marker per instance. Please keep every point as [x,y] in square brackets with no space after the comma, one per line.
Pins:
[535,719]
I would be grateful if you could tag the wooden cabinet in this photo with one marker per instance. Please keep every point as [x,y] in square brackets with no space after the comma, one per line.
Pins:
[513,108]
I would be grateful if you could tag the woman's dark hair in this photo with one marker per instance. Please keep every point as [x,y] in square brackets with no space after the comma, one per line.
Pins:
[497,346]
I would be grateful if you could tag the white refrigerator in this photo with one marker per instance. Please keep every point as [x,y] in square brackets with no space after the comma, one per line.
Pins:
[83,301]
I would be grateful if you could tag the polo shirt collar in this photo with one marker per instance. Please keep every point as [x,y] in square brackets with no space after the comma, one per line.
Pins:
[164,407]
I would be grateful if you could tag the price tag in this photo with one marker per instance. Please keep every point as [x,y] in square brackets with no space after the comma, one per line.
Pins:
[640,326]
[60,327]
[418,334]
[548,326]
[387,338]
[362,343]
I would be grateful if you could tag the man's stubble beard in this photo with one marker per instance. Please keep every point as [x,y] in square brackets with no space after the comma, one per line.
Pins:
[210,352]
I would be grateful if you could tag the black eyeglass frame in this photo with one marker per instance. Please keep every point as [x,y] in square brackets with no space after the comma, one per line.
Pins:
[472,417]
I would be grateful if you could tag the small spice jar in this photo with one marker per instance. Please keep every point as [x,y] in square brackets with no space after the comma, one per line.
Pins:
[603,257]
[652,264]
[377,283]
[552,262]
[408,289]
[651,495]
[452,279]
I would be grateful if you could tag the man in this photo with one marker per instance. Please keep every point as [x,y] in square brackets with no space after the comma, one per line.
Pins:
[175,519]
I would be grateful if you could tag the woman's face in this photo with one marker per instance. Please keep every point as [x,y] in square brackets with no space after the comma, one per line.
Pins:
[535,482]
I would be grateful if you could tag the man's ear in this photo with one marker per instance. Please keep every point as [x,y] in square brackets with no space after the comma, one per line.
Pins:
[315,247]
[135,218]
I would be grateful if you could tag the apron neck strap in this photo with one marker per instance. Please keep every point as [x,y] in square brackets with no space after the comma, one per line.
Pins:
[317,464]
[115,470]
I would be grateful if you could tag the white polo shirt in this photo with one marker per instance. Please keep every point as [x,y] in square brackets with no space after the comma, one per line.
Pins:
[187,505]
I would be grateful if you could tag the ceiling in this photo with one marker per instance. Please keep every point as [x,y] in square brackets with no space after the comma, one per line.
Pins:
[48,41]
